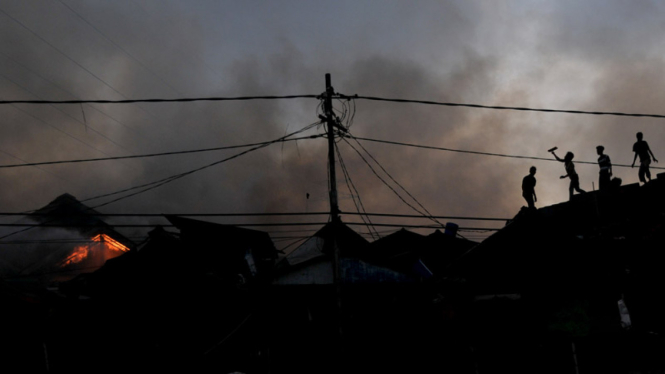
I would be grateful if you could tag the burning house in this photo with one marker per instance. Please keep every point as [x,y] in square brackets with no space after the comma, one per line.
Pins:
[59,241]
[187,290]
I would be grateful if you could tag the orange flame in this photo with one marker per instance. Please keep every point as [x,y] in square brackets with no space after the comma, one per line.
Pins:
[105,246]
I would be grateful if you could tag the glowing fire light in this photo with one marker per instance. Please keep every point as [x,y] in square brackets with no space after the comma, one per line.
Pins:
[103,249]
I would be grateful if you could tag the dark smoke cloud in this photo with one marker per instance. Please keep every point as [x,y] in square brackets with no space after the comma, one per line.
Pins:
[570,56]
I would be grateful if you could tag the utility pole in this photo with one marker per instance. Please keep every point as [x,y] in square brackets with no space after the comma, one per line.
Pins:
[334,210]
[330,123]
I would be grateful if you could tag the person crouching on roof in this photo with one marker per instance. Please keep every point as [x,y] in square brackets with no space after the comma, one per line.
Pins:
[570,173]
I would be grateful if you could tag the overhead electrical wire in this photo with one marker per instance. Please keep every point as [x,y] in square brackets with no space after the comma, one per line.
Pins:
[426,214]
[296,242]
[151,154]
[64,132]
[68,115]
[163,181]
[273,214]
[389,186]
[393,179]
[340,96]
[159,77]
[155,184]
[80,65]
[28,69]
[140,225]
[428,102]
[36,167]
[66,56]
[281,239]
[346,116]
[359,205]
[304,138]
[177,100]
[485,153]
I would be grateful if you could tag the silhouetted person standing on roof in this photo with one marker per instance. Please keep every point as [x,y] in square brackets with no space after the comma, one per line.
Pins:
[529,188]
[605,169]
[570,173]
[641,148]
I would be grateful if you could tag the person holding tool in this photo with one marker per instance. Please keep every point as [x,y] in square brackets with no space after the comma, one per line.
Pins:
[570,172]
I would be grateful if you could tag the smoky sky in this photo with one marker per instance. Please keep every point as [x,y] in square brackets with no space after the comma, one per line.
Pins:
[604,56]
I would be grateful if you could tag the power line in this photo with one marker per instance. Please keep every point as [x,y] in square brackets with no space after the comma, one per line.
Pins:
[65,55]
[140,225]
[163,181]
[427,102]
[275,214]
[388,185]
[67,114]
[359,205]
[76,63]
[428,217]
[393,179]
[36,167]
[287,238]
[23,66]
[64,132]
[485,153]
[297,241]
[340,96]
[186,214]
[283,231]
[130,55]
[180,100]
[152,154]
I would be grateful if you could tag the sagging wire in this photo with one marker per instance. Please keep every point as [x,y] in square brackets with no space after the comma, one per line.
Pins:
[426,213]
[359,205]
[155,184]
[163,181]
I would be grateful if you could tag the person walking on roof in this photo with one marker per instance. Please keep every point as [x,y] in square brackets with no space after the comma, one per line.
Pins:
[605,169]
[529,188]
[570,173]
[641,148]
